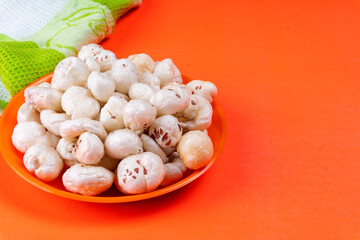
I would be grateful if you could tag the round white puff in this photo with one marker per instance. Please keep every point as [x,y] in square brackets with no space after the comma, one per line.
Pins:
[140,173]
[45,84]
[141,91]
[143,62]
[79,103]
[167,72]
[105,59]
[75,127]
[195,149]
[89,149]
[43,161]
[123,79]
[166,131]
[66,150]
[27,113]
[109,163]
[52,120]
[87,180]
[70,72]
[101,87]
[205,89]
[198,116]
[122,143]
[26,134]
[48,139]
[174,170]
[139,132]
[120,95]
[171,99]
[111,115]
[138,114]
[150,145]
[124,64]
[97,118]
[42,98]
[92,64]
[89,50]
[168,151]
[107,73]
[150,79]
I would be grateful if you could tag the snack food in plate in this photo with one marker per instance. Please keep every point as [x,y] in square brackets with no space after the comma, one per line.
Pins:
[133,124]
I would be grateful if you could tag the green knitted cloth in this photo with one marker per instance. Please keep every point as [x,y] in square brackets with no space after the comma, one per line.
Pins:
[78,23]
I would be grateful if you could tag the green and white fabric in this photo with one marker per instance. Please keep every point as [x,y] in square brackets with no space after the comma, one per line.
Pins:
[36,35]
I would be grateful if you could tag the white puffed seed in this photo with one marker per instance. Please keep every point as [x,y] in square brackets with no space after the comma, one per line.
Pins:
[105,59]
[138,114]
[48,139]
[87,180]
[109,163]
[167,72]
[174,170]
[66,150]
[123,79]
[42,98]
[52,120]
[89,50]
[26,134]
[79,103]
[198,116]
[168,151]
[107,74]
[141,91]
[70,72]
[43,161]
[120,95]
[75,127]
[166,131]
[101,87]
[195,149]
[150,79]
[111,115]
[45,84]
[149,145]
[89,148]
[171,99]
[140,173]
[139,132]
[124,64]
[122,143]
[143,62]
[27,113]
[205,89]
[92,64]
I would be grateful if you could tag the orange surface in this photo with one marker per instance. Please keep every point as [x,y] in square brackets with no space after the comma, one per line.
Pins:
[289,80]
[8,121]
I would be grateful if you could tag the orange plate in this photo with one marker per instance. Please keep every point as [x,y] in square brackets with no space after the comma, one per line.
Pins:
[217,133]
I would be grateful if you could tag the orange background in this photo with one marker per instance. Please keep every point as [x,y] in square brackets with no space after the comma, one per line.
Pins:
[288,77]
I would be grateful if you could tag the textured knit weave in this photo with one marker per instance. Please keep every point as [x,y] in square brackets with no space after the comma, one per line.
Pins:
[79,22]
[4,93]
[34,16]
[22,18]
[23,62]
[4,96]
